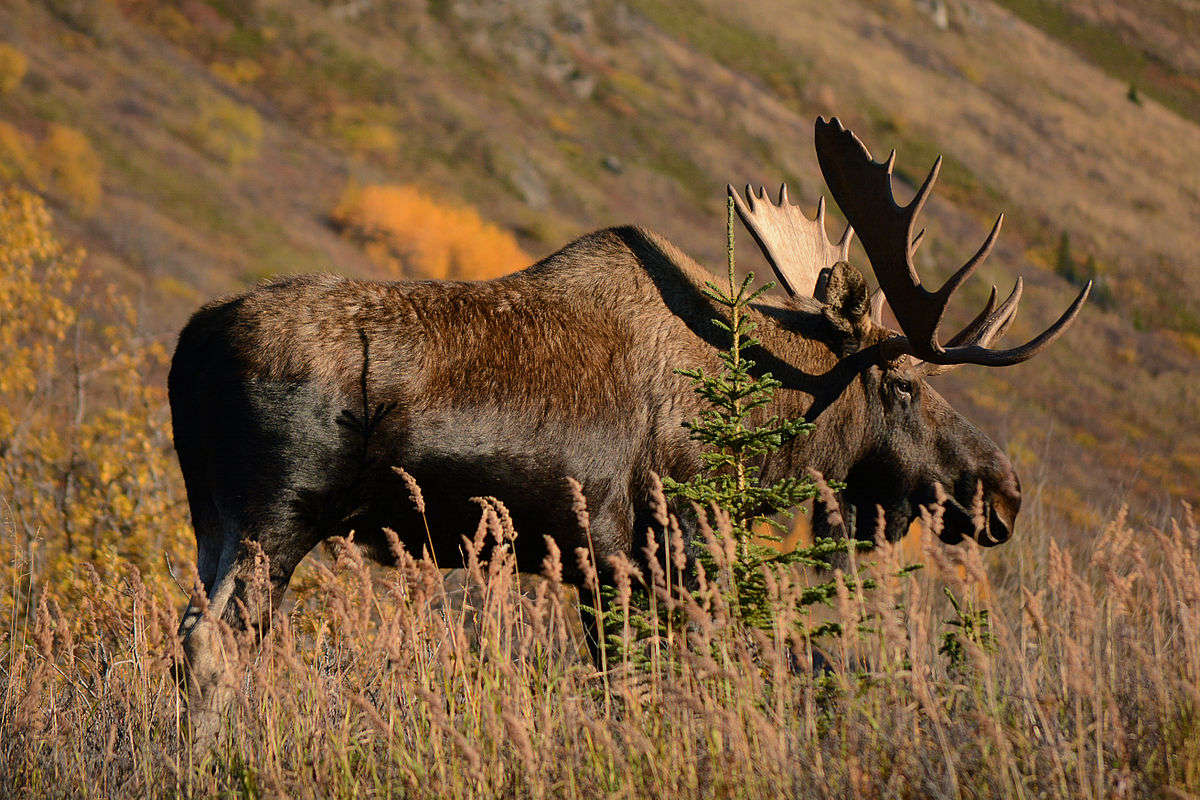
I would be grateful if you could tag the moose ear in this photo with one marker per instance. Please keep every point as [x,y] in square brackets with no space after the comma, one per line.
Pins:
[843,290]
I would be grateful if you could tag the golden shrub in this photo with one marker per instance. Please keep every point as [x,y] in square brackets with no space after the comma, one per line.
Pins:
[12,67]
[1189,341]
[242,71]
[407,232]
[35,275]
[71,166]
[362,134]
[85,463]
[230,131]
[16,162]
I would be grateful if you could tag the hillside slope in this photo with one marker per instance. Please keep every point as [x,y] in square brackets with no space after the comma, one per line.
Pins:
[226,133]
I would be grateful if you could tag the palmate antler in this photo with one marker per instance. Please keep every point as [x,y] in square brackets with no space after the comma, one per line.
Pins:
[862,188]
[796,247]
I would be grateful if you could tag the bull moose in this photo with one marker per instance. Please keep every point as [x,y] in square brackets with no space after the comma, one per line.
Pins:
[291,402]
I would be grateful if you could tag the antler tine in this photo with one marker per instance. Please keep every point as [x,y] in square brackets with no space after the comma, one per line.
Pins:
[863,189]
[913,209]
[796,247]
[988,325]
[916,242]
[876,305]
[997,324]
[954,281]
[975,325]
[980,354]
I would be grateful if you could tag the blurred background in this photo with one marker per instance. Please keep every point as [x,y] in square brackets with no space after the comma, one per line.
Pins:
[194,148]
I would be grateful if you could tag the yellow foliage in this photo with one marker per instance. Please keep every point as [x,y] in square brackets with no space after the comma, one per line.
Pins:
[407,231]
[35,274]
[1189,341]
[12,67]
[367,137]
[560,123]
[174,25]
[16,163]
[241,71]
[228,130]
[72,166]
[86,470]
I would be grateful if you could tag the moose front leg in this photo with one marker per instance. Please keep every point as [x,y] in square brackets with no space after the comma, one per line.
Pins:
[251,581]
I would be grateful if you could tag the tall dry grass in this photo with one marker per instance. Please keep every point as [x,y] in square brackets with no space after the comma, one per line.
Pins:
[1073,677]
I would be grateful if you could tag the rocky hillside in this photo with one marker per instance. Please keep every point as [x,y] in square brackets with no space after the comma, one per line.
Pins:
[196,147]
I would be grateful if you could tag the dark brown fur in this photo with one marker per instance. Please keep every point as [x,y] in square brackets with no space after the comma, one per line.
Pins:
[291,402]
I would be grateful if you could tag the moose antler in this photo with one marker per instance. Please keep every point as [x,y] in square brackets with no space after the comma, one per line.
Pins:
[795,246]
[862,188]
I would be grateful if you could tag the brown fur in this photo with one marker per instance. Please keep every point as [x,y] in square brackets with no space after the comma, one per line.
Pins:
[291,402]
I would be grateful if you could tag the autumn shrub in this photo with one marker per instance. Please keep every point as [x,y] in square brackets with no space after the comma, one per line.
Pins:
[17,163]
[12,67]
[71,167]
[355,128]
[239,72]
[228,130]
[86,469]
[409,233]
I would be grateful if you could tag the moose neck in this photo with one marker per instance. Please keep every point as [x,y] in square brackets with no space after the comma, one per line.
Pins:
[817,384]
[796,347]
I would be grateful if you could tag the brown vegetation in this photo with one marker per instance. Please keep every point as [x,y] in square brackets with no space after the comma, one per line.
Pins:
[1062,679]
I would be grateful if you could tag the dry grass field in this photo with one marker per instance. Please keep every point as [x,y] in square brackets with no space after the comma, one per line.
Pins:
[1059,678]
[154,155]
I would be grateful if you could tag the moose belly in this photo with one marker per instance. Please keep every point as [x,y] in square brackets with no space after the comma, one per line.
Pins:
[522,459]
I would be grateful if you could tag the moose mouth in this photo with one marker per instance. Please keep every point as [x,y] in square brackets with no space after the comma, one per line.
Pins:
[989,525]
[989,528]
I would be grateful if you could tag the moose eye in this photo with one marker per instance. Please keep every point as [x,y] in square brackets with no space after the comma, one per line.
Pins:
[902,391]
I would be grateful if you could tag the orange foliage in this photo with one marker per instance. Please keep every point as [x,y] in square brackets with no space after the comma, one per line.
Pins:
[407,232]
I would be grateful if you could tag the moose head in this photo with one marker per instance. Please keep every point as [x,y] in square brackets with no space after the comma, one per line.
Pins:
[913,451]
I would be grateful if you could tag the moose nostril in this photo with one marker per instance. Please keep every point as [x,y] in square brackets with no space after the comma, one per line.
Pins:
[1003,505]
[998,529]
